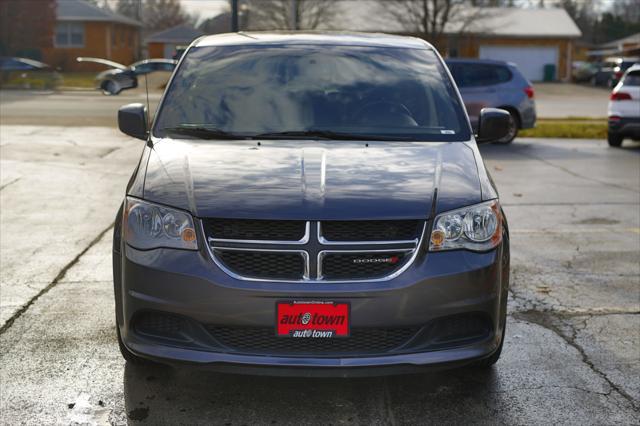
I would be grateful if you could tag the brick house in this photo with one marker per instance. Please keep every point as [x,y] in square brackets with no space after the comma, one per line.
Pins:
[82,29]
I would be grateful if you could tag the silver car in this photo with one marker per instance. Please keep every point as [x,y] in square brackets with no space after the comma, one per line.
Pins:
[496,84]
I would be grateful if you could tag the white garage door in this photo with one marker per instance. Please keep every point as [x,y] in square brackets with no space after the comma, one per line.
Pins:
[530,60]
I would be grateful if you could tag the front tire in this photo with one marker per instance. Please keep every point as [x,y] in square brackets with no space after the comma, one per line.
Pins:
[614,139]
[110,88]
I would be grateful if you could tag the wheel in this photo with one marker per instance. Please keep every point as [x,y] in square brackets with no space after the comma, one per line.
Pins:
[614,139]
[109,87]
[128,355]
[513,131]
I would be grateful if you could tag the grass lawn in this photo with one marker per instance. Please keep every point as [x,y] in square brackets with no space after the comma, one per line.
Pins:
[81,80]
[570,127]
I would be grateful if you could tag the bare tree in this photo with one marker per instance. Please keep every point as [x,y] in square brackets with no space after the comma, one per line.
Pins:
[289,14]
[430,18]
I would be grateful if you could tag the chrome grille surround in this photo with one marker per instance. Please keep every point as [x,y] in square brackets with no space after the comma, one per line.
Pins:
[314,248]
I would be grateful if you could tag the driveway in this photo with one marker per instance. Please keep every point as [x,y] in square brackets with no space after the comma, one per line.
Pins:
[560,100]
[572,348]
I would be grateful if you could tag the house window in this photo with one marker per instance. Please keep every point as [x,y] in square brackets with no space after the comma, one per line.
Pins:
[69,34]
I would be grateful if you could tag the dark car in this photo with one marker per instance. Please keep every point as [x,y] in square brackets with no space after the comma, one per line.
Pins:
[23,73]
[498,84]
[611,71]
[311,204]
[121,77]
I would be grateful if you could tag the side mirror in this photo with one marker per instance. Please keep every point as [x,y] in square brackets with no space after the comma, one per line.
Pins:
[493,124]
[132,120]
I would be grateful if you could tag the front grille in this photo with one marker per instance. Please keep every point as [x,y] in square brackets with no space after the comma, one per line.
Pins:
[341,265]
[371,230]
[263,264]
[262,340]
[295,250]
[259,230]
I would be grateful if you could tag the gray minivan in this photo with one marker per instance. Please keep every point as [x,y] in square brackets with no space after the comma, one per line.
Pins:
[311,204]
[496,84]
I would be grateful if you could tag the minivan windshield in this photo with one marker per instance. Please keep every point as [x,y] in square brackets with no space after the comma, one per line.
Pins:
[312,91]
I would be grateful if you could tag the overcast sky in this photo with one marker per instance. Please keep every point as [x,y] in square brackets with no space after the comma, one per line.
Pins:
[205,8]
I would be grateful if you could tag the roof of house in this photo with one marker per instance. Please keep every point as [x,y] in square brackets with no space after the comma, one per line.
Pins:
[81,10]
[634,38]
[376,15]
[184,34]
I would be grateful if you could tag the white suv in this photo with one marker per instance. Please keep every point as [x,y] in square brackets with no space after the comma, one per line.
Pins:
[624,108]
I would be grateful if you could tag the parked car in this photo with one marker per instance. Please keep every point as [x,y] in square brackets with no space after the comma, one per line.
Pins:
[311,205]
[120,77]
[487,83]
[26,73]
[583,72]
[624,108]
[611,70]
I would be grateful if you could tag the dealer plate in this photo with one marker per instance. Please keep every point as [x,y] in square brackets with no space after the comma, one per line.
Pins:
[312,319]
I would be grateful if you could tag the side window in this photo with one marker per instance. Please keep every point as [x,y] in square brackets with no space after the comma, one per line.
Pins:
[478,75]
[632,79]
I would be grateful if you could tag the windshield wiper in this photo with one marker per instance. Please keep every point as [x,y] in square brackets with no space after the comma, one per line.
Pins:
[325,134]
[203,132]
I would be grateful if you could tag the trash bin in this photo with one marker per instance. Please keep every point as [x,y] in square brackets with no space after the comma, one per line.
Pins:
[550,72]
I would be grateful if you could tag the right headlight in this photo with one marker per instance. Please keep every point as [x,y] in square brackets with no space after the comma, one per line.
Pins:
[476,228]
[149,226]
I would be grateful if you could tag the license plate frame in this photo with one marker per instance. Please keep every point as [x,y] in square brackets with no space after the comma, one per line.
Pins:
[326,319]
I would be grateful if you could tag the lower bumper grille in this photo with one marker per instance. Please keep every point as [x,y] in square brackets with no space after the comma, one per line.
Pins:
[262,340]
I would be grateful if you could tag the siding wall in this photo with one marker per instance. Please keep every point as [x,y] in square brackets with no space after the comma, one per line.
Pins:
[112,41]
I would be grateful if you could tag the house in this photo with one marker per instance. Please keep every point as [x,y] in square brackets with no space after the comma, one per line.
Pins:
[627,46]
[163,44]
[82,29]
[531,38]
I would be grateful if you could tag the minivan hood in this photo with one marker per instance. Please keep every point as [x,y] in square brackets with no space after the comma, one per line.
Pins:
[311,180]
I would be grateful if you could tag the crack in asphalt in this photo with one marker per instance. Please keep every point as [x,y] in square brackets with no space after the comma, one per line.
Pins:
[572,173]
[9,183]
[9,322]
[549,321]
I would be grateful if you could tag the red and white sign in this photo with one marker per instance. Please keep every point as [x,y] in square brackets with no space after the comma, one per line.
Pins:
[312,319]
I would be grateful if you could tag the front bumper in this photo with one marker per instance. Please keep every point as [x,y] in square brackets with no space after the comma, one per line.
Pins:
[189,285]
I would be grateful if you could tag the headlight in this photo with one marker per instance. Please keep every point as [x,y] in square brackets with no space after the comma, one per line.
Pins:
[148,226]
[477,228]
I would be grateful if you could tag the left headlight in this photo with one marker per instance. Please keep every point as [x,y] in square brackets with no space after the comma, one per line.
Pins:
[148,226]
[476,228]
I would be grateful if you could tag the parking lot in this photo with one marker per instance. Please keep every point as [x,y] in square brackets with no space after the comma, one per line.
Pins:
[572,351]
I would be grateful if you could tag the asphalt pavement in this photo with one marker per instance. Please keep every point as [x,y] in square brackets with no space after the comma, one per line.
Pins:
[572,351]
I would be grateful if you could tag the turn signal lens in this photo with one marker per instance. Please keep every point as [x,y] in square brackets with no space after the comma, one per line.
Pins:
[189,235]
[437,237]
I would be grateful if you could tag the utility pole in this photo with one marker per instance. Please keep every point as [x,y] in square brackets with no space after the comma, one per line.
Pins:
[235,27]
